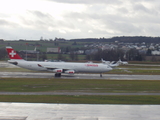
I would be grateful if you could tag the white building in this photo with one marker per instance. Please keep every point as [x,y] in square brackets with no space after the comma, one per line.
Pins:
[53,50]
[155,52]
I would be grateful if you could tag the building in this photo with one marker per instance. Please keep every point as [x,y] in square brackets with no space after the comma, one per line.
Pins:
[155,52]
[53,50]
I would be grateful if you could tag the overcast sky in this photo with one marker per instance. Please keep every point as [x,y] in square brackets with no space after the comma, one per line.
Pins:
[69,19]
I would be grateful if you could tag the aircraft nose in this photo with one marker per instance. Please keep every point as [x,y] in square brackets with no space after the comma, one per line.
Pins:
[110,69]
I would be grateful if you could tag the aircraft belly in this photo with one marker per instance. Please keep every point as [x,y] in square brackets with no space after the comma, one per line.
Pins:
[90,69]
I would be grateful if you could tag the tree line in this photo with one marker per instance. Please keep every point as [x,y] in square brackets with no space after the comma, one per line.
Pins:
[115,55]
[108,55]
[125,39]
[3,53]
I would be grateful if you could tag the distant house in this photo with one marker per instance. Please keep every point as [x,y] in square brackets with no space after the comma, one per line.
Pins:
[53,50]
[59,40]
[151,47]
[91,51]
[155,52]
[79,52]
[30,51]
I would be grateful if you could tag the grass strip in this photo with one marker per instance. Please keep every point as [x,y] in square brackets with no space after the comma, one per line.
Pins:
[135,72]
[140,66]
[15,70]
[78,85]
[123,99]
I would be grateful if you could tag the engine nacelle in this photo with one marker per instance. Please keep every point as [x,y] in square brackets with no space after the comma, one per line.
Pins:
[70,72]
[57,70]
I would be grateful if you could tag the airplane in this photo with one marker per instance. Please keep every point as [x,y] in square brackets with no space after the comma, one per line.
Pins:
[105,62]
[56,67]
[123,62]
[114,64]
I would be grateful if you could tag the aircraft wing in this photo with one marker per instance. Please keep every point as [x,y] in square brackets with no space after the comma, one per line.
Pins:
[58,70]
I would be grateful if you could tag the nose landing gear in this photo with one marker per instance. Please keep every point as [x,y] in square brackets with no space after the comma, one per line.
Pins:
[101,75]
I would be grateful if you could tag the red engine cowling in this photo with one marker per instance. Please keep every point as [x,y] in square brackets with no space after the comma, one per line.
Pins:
[58,70]
[70,71]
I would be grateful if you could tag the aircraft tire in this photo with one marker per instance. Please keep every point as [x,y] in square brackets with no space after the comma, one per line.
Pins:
[101,75]
[58,75]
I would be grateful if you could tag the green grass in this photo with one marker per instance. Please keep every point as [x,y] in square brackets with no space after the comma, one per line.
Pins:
[139,66]
[15,70]
[135,71]
[144,62]
[77,85]
[80,85]
[81,99]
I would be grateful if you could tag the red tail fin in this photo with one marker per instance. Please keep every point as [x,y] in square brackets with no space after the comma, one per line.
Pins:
[12,54]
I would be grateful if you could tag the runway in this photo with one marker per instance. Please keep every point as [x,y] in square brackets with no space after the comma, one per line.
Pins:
[78,76]
[40,111]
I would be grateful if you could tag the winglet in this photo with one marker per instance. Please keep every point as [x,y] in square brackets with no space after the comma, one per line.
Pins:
[13,54]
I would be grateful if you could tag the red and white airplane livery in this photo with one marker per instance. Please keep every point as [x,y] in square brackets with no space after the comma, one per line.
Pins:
[57,67]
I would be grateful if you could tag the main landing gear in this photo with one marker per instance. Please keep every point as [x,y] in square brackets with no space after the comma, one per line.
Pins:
[101,75]
[57,75]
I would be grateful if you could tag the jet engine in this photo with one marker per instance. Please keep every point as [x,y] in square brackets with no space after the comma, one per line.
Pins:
[57,70]
[70,72]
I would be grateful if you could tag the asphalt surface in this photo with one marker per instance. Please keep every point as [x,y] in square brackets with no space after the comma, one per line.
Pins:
[41,111]
[78,76]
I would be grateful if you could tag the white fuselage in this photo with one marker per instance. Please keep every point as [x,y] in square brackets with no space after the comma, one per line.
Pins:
[77,67]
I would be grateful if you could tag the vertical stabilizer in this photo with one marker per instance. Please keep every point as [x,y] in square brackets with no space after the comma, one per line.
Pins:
[13,54]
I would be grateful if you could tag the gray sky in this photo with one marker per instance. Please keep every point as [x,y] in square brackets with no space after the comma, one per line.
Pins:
[69,19]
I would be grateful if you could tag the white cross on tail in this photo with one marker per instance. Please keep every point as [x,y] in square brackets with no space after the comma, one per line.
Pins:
[12,53]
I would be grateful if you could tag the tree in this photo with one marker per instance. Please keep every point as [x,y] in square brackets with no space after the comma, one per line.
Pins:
[109,55]
[56,43]
[61,57]
[68,49]
[73,56]
[43,56]
[3,53]
[75,43]
[134,55]
[149,52]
